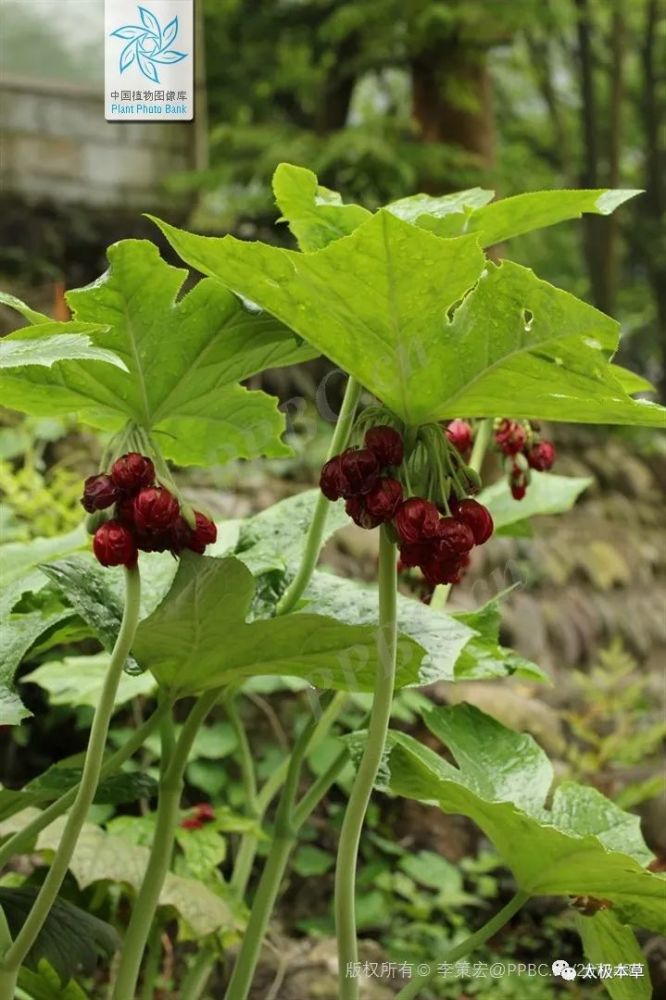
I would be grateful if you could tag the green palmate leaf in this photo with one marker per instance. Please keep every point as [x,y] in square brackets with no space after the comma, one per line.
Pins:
[607,941]
[509,217]
[101,857]
[454,647]
[484,657]
[70,940]
[184,358]
[385,304]
[316,216]
[85,585]
[45,984]
[461,204]
[583,845]
[547,494]
[19,558]
[31,315]
[198,638]
[273,539]
[78,680]
[46,350]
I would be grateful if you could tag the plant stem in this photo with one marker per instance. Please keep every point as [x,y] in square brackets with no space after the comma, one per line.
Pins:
[350,835]
[271,877]
[245,751]
[152,966]
[85,794]
[198,975]
[249,842]
[479,937]
[23,838]
[481,442]
[315,534]
[143,912]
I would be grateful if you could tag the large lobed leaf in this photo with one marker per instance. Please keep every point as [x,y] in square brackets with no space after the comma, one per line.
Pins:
[198,638]
[38,348]
[316,215]
[184,357]
[70,940]
[432,328]
[101,857]
[582,845]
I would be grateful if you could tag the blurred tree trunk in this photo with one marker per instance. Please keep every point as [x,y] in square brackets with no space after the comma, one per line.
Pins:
[599,238]
[652,239]
[452,100]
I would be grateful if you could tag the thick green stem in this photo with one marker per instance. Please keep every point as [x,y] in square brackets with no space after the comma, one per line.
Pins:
[85,794]
[22,839]
[143,912]
[350,835]
[271,877]
[315,534]
[198,975]
[495,924]
[249,842]
[481,442]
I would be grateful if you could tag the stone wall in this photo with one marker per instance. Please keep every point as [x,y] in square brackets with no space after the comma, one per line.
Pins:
[56,146]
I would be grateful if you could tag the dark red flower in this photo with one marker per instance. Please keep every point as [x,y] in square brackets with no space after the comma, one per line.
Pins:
[360,471]
[384,499]
[131,472]
[415,553]
[191,823]
[179,535]
[416,519]
[205,533]
[359,513]
[475,516]
[510,436]
[99,492]
[454,538]
[518,480]
[541,456]
[459,434]
[114,545]
[332,482]
[155,509]
[204,812]
[386,444]
[438,571]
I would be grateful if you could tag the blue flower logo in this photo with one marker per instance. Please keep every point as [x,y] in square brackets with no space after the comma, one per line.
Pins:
[149,44]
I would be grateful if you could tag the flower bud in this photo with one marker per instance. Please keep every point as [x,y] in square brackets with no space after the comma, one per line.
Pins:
[477,517]
[359,513]
[205,533]
[131,472]
[154,510]
[331,481]
[416,519]
[384,499]
[114,545]
[510,436]
[386,444]
[99,492]
[359,471]
[454,538]
[459,434]
[541,456]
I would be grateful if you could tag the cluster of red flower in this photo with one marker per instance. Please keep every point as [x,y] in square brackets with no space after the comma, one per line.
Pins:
[524,449]
[146,517]
[439,546]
